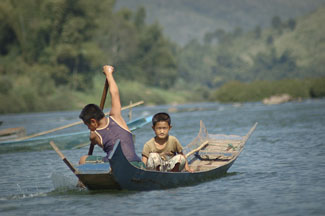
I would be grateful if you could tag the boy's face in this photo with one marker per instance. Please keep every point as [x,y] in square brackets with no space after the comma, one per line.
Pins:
[92,125]
[161,129]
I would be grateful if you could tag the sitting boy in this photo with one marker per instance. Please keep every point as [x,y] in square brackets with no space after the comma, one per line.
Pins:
[105,131]
[164,152]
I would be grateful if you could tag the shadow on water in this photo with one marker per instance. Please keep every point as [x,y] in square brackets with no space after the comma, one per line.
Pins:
[231,174]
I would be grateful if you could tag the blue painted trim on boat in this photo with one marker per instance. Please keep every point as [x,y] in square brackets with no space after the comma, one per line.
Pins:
[143,121]
[94,168]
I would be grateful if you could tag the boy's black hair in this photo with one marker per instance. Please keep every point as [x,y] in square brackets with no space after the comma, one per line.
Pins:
[91,111]
[161,117]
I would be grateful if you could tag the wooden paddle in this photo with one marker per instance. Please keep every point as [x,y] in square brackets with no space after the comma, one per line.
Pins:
[102,103]
[65,160]
[70,125]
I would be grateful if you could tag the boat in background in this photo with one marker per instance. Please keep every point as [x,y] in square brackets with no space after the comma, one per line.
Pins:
[12,133]
[64,141]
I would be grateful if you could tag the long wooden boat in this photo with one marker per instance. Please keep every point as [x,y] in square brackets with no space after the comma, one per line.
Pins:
[210,156]
[64,141]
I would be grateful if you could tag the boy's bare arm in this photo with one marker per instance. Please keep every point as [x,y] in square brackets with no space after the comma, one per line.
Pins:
[115,111]
[94,139]
[144,159]
[187,168]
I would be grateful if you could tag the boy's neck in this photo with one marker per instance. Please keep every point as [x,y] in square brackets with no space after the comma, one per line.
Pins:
[161,141]
[102,122]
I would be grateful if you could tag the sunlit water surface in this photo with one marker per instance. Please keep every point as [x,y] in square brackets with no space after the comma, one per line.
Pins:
[280,172]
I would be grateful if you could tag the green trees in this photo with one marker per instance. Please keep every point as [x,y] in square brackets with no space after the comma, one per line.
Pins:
[52,33]
[279,52]
[153,61]
[271,66]
[50,51]
[54,46]
[236,91]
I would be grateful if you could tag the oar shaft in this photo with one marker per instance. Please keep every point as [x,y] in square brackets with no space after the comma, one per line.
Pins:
[65,160]
[104,94]
[91,149]
[102,103]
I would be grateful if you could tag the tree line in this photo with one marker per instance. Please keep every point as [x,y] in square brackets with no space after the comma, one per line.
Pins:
[50,50]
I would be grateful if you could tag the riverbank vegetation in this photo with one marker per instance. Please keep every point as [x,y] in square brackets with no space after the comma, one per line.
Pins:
[236,91]
[51,54]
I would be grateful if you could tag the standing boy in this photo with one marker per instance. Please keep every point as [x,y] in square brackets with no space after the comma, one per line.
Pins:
[106,131]
[164,152]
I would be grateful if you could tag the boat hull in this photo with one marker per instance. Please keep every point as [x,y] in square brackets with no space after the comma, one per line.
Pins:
[130,177]
[209,155]
[103,181]
[97,176]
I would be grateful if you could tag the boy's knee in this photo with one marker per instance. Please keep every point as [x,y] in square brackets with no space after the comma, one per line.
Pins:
[154,160]
[181,158]
[181,161]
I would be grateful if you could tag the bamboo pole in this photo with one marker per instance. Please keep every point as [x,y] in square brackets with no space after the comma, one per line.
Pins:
[70,125]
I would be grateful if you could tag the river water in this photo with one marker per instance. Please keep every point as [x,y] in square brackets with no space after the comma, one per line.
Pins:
[280,172]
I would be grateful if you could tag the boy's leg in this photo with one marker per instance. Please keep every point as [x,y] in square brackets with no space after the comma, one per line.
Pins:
[176,163]
[154,161]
